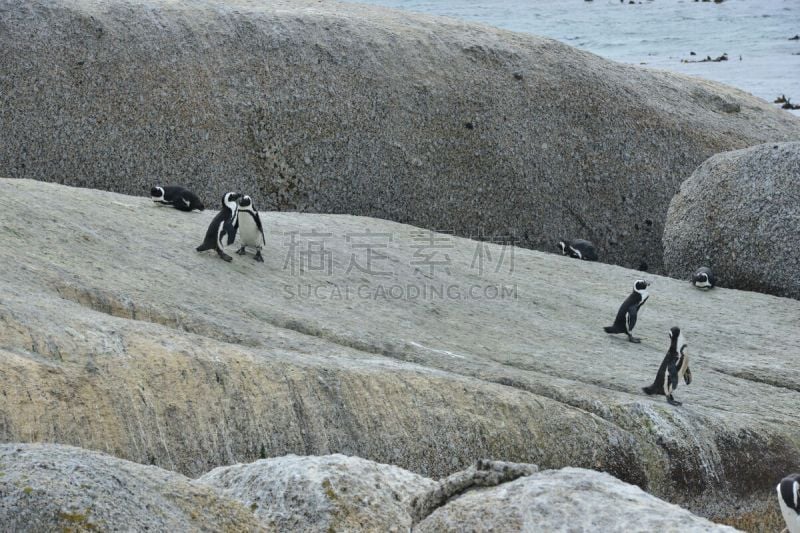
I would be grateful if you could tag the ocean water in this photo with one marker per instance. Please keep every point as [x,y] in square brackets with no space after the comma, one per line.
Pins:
[657,34]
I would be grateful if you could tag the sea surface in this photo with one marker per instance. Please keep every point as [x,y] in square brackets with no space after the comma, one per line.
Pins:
[657,34]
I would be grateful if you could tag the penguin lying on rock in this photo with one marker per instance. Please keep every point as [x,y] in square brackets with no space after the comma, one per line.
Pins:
[674,366]
[704,278]
[224,224]
[789,501]
[177,197]
[629,310]
[579,249]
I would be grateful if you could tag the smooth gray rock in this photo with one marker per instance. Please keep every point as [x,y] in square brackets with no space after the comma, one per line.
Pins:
[345,108]
[322,493]
[48,487]
[115,335]
[570,499]
[739,213]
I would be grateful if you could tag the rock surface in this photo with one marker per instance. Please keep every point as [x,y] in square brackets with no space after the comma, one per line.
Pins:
[322,493]
[115,335]
[46,487]
[344,108]
[570,499]
[739,213]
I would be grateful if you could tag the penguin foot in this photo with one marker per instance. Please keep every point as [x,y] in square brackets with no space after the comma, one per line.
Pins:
[241,251]
[258,257]
[673,401]
[634,340]
[225,257]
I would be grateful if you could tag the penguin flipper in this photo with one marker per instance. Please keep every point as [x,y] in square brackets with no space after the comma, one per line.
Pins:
[630,318]
[229,229]
[687,376]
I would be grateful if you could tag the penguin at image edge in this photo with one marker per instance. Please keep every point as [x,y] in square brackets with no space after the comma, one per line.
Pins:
[789,501]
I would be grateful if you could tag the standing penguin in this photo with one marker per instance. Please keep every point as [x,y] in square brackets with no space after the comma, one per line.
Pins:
[674,366]
[224,224]
[704,278]
[789,500]
[628,311]
[177,197]
[251,232]
[579,249]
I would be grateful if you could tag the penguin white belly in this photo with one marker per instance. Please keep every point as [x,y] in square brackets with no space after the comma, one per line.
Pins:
[248,231]
[791,518]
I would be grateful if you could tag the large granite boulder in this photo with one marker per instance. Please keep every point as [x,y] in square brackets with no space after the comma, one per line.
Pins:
[739,213]
[116,335]
[345,108]
[322,493]
[570,499]
[47,487]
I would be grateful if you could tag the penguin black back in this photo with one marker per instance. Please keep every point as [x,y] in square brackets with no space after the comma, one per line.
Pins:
[178,197]
[789,501]
[704,278]
[674,366]
[629,310]
[224,224]
[578,249]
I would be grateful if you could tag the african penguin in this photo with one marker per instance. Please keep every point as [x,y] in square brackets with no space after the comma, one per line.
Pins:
[251,232]
[628,311]
[579,249]
[674,367]
[224,224]
[704,278]
[178,197]
[789,500]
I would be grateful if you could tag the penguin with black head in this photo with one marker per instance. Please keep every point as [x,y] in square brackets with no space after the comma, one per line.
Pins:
[178,197]
[578,249]
[674,367]
[789,501]
[703,278]
[251,232]
[225,224]
[629,310]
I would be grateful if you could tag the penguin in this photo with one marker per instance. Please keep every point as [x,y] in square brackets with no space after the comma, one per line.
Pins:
[674,367]
[224,224]
[626,316]
[177,197]
[789,500]
[579,249]
[251,232]
[704,278]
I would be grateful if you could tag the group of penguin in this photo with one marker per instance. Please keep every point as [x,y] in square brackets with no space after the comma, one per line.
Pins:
[675,365]
[238,215]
